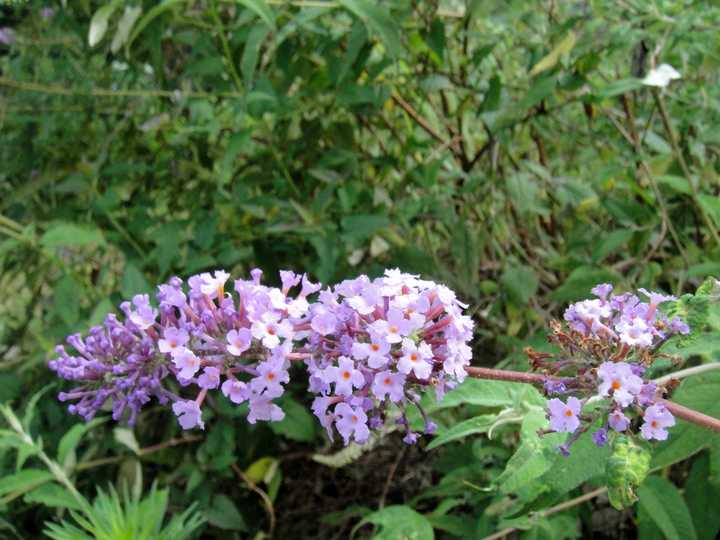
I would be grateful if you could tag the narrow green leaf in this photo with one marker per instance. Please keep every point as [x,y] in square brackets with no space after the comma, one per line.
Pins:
[251,52]
[471,426]
[99,22]
[151,15]
[23,480]
[53,495]
[71,235]
[261,9]
[73,436]
[702,495]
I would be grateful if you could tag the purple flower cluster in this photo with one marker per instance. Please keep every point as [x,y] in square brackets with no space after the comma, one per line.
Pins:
[367,345]
[203,337]
[624,318]
[375,343]
[610,342]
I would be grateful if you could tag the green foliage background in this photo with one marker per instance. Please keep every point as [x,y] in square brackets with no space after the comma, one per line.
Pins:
[505,148]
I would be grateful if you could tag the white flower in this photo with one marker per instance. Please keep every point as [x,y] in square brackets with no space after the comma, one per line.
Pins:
[661,76]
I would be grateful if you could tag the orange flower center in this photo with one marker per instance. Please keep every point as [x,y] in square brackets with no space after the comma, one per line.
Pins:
[346,375]
[393,329]
[654,423]
[173,344]
[568,413]
[354,418]
[414,357]
[270,376]
[616,385]
[388,381]
[375,347]
[271,331]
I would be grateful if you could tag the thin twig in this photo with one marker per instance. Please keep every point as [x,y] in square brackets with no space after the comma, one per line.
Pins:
[391,475]
[687,372]
[264,496]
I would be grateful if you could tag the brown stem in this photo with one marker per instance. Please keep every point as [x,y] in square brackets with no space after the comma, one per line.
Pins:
[264,496]
[687,414]
[690,415]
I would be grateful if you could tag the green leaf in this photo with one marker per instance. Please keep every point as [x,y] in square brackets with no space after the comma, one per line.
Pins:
[223,514]
[67,300]
[611,243]
[520,282]
[711,206]
[618,87]
[362,227]
[99,22]
[399,523]
[154,12]
[379,21]
[124,27]
[485,393]
[702,495]
[52,495]
[133,281]
[71,235]
[23,480]
[626,468]
[251,52]
[552,58]
[665,506]
[69,442]
[471,426]
[580,281]
[261,9]
[298,424]
[126,437]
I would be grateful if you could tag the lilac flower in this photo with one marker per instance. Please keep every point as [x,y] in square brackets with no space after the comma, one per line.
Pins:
[270,329]
[564,416]
[143,316]
[415,359]
[678,326]
[236,391]
[394,328]
[186,361]
[351,422]
[655,420]
[647,393]
[553,386]
[271,376]
[635,332]
[387,383]
[171,295]
[189,414]
[410,438]
[618,379]
[174,339]
[618,421]
[600,437]
[324,322]
[238,341]
[7,36]
[210,378]
[376,351]
[345,376]
[262,408]
[212,285]
[47,13]
[602,290]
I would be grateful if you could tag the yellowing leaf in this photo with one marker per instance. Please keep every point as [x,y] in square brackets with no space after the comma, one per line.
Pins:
[552,58]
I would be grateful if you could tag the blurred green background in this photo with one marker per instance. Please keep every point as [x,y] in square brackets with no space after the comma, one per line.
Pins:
[506,148]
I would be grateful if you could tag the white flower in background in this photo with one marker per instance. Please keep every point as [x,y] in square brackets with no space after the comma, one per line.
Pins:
[661,76]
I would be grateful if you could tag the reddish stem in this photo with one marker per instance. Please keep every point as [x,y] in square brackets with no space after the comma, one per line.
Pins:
[689,415]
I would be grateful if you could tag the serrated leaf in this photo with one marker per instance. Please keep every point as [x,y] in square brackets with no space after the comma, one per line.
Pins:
[487,393]
[626,468]
[665,506]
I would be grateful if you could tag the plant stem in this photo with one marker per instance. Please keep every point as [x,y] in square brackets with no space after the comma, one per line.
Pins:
[687,414]
[687,372]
